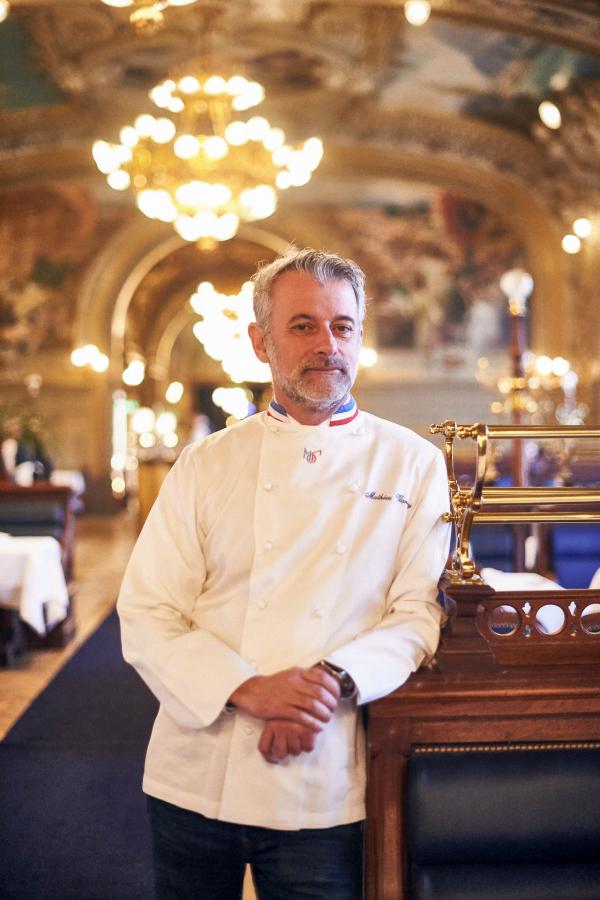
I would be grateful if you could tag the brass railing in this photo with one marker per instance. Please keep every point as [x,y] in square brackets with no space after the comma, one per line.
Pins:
[480,504]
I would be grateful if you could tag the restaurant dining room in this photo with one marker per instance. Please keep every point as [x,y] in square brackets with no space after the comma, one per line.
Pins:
[153,155]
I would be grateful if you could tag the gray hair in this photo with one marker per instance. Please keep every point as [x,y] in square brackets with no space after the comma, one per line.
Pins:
[323,267]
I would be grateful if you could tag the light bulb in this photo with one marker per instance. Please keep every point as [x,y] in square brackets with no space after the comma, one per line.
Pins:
[417,12]
[582,227]
[215,147]
[118,180]
[550,115]
[571,243]
[186,146]
[174,392]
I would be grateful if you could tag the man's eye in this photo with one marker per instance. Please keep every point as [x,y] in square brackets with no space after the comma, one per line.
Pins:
[344,329]
[301,327]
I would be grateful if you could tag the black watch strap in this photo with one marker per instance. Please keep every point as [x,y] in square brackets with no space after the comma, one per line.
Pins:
[347,685]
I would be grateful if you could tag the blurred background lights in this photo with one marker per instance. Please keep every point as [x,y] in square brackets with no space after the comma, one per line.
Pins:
[134,373]
[582,227]
[223,331]
[118,485]
[147,440]
[143,420]
[234,401]
[543,365]
[571,243]
[174,392]
[368,357]
[170,439]
[550,115]
[417,12]
[89,355]
[165,422]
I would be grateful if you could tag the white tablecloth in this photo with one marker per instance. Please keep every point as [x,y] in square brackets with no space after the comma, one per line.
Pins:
[31,579]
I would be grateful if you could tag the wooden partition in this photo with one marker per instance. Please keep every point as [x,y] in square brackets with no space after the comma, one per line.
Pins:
[490,684]
[516,672]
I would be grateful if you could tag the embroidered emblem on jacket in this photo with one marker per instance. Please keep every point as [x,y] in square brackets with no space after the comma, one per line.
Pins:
[374,495]
[311,456]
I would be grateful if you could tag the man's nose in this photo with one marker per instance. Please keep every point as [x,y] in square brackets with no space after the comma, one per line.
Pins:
[326,341]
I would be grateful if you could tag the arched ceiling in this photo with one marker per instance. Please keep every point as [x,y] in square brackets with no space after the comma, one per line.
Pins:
[448,107]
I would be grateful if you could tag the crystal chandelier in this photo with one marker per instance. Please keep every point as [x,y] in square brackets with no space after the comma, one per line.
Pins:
[147,15]
[223,331]
[200,165]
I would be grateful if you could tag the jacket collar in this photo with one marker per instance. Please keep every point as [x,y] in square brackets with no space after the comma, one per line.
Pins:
[343,415]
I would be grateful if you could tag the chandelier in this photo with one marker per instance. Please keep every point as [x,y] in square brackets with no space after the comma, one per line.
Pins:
[223,331]
[147,15]
[200,165]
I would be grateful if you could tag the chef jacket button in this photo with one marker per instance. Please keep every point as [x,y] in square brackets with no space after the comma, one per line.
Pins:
[248,729]
[267,485]
[319,612]
[340,549]
[353,487]
[262,604]
[273,428]
[252,662]
[268,545]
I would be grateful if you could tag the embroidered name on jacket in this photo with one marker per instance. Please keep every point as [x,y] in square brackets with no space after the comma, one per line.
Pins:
[311,456]
[374,495]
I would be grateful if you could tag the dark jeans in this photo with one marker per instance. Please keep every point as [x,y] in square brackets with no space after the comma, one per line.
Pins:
[203,859]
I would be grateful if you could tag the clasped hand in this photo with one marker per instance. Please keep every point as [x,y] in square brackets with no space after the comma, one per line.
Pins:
[297,704]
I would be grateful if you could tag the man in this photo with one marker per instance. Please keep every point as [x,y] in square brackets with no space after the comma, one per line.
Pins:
[285,576]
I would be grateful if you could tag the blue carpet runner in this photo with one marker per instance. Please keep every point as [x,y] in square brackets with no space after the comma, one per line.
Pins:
[72,815]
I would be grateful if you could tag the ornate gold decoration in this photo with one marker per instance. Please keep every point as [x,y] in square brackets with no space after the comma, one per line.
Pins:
[147,15]
[201,166]
[506,505]
[432,749]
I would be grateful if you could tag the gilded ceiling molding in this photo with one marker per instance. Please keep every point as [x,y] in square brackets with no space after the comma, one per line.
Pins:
[573,151]
[111,280]
[435,133]
[573,24]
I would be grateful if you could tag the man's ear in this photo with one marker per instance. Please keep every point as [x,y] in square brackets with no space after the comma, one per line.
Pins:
[257,337]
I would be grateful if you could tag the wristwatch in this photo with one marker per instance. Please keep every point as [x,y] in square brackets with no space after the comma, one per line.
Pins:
[346,682]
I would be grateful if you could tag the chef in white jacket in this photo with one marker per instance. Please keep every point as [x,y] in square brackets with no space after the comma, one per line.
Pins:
[285,576]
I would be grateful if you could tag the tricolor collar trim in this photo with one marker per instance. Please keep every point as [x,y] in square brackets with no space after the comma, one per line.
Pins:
[342,416]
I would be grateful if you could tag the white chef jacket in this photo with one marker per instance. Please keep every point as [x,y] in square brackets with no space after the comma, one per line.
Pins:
[274,544]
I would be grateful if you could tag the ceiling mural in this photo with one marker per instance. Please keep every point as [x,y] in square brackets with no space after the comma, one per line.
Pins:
[40,270]
[474,71]
[434,267]
[438,173]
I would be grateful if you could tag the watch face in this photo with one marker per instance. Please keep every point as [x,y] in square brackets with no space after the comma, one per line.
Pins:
[346,684]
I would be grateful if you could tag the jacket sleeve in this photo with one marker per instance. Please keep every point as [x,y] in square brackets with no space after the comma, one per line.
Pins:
[191,671]
[381,659]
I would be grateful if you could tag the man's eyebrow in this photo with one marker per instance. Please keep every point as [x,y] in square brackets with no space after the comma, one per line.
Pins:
[297,317]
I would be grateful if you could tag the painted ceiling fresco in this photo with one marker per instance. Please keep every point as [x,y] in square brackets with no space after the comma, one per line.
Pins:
[478,72]
[457,97]
[448,67]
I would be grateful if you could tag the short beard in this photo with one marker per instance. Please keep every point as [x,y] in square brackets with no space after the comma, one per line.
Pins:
[303,393]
